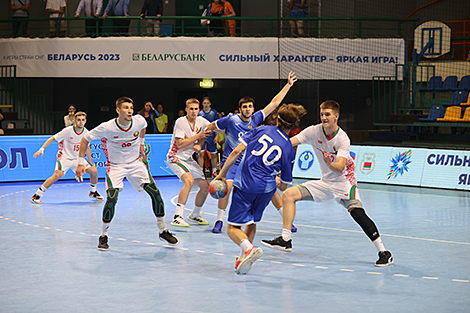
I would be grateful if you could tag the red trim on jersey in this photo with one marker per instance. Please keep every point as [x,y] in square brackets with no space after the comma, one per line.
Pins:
[124,130]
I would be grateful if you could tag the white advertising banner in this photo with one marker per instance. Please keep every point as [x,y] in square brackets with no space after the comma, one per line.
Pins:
[188,57]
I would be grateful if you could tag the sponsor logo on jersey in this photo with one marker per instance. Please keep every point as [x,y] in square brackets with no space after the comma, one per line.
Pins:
[320,142]
[136,133]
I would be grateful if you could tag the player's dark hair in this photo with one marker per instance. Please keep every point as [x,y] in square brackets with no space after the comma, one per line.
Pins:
[141,112]
[206,98]
[330,104]
[122,100]
[288,115]
[245,99]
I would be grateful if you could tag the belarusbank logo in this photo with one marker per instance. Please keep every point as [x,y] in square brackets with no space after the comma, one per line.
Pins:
[169,57]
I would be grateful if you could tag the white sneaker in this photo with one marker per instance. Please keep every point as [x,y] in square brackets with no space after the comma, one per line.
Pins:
[243,266]
[197,220]
[36,199]
[179,221]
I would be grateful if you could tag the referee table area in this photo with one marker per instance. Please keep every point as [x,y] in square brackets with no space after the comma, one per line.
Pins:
[50,261]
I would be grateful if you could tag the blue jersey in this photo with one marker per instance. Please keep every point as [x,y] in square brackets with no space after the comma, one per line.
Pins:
[235,128]
[211,116]
[268,152]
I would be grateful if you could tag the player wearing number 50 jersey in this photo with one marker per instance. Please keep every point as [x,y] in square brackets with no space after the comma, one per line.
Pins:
[268,153]
[122,140]
[69,143]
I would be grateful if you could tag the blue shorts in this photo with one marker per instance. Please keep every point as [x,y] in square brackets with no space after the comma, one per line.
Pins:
[209,145]
[247,208]
[232,171]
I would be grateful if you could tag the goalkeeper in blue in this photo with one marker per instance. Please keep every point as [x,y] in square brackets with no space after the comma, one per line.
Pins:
[268,153]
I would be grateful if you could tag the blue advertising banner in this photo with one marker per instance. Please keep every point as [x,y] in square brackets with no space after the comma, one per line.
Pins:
[18,164]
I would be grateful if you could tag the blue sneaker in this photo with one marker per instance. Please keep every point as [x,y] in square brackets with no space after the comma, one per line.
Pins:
[294,229]
[218,227]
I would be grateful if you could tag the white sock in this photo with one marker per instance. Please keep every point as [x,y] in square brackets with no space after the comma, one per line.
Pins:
[280,211]
[104,229]
[179,209]
[196,211]
[161,224]
[246,245]
[41,190]
[286,234]
[379,244]
[92,188]
[220,214]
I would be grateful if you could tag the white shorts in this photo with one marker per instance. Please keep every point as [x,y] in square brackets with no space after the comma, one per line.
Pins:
[66,164]
[341,191]
[182,167]
[136,173]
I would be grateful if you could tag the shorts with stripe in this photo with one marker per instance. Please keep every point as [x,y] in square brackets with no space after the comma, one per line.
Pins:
[341,191]
[182,167]
[136,173]
[66,164]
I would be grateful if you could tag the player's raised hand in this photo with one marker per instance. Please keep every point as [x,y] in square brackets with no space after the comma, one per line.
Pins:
[292,78]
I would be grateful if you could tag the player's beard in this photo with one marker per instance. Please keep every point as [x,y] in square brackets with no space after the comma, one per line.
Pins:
[247,117]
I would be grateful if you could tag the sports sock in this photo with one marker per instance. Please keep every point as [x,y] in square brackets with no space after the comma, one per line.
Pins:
[92,188]
[246,245]
[161,223]
[104,229]
[196,211]
[220,214]
[379,244]
[280,211]
[41,190]
[179,209]
[286,234]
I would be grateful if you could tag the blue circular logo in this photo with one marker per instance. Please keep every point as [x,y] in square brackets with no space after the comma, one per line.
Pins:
[305,160]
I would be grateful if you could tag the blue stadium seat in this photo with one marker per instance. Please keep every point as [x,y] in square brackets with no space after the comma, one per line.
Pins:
[450,84]
[464,83]
[458,97]
[433,83]
[435,113]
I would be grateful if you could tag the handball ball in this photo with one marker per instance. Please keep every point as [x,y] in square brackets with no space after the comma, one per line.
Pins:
[218,189]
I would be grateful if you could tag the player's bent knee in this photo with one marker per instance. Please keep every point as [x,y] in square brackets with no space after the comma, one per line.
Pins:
[109,206]
[367,225]
[157,201]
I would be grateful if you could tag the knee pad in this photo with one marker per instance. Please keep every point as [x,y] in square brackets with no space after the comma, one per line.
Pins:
[111,200]
[157,201]
[367,225]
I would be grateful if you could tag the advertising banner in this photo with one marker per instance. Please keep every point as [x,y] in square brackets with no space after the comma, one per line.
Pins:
[188,57]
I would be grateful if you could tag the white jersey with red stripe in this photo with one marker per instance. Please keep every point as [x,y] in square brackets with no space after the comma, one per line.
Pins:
[337,145]
[120,144]
[184,130]
[69,142]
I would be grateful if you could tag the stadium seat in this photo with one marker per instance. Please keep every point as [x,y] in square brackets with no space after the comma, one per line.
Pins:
[466,116]
[450,84]
[435,113]
[464,83]
[433,83]
[458,97]
[466,104]
[452,114]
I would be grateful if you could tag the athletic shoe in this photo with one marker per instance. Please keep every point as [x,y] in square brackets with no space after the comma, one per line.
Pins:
[168,237]
[294,229]
[179,221]
[385,259]
[103,243]
[278,244]
[95,195]
[218,227]
[197,220]
[35,199]
[243,266]
[214,174]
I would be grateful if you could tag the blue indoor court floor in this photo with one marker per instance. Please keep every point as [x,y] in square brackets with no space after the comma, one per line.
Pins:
[49,261]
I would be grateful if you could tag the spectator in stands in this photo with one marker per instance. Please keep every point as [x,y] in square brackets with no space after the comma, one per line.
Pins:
[1,119]
[149,113]
[215,26]
[120,8]
[152,8]
[180,114]
[161,120]
[93,8]
[56,8]
[298,9]
[228,11]
[69,119]
[20,9]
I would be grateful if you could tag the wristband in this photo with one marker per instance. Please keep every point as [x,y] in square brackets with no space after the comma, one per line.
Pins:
[41,150]
[81,161]
[142,141]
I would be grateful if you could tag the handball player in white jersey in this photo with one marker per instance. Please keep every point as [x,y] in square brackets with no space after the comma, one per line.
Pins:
[189,134]
[122,139]
[331,146]
[69,140]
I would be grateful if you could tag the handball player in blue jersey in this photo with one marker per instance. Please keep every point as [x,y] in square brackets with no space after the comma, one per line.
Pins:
[210,145]
[268,153]
[235,126]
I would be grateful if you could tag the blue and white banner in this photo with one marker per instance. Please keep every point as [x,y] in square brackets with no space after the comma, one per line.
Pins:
[188,57]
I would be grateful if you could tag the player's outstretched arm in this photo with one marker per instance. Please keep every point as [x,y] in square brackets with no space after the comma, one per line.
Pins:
[276,101]
[337,166]
[230,161]
[44,146]
[81,160]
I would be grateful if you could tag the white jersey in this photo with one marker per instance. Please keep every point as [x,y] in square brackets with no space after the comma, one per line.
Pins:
[338,145]
[69,143]
[120,145]
[184,130]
